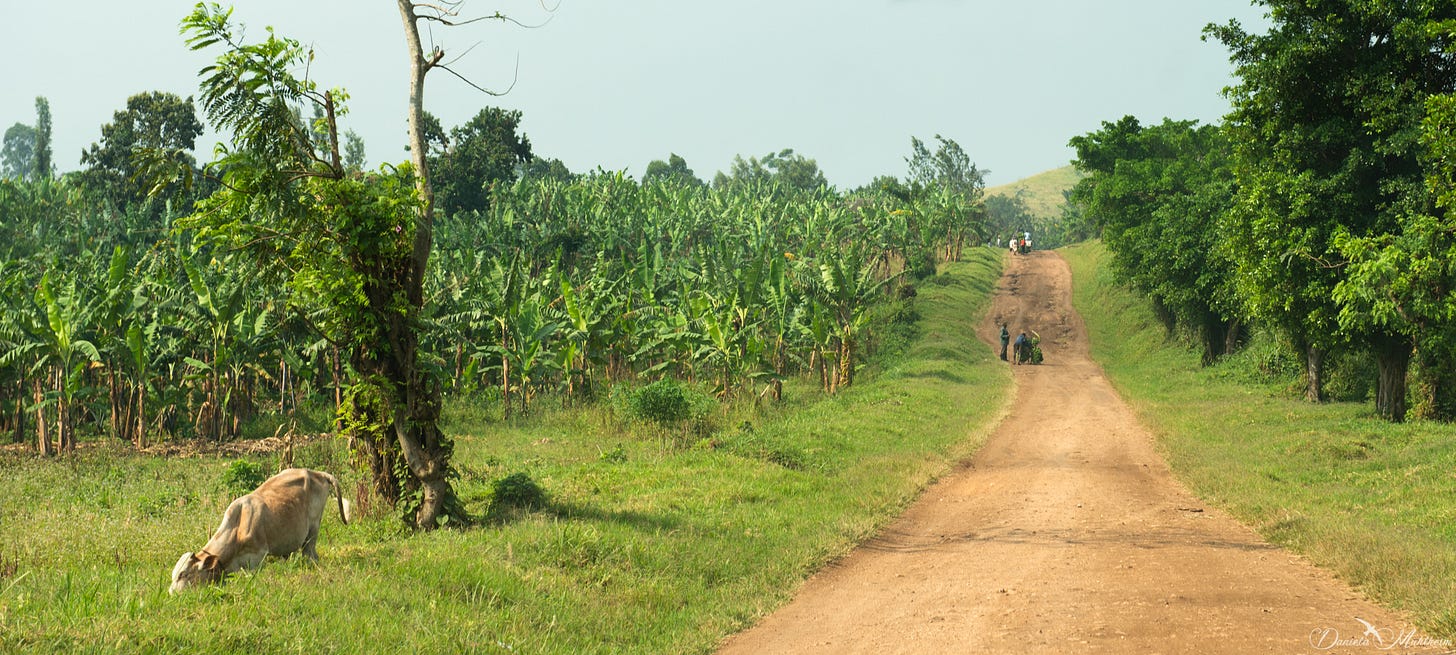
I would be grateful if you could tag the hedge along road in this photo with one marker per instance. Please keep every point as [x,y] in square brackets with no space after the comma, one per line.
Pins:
[1066,533]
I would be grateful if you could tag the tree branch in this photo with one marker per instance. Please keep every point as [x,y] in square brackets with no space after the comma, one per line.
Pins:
[516,77]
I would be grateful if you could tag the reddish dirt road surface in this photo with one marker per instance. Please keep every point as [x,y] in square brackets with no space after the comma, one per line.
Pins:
[1066,533]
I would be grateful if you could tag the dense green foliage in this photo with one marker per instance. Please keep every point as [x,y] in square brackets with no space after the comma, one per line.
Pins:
[26,154]
[343,247]
[17,158]
[1327,149]
[1404,280]
[1315,209]
[675,171]
[162,124]
[642,545]
[666,402]
[242,476]
[568,287]
[561,288]
[295,285]
[1157,194]
[786,169]
[485,151]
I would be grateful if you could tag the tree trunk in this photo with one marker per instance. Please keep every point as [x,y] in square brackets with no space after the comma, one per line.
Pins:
[141,415]
[65,426]
[283,380]
[1392,358]
[336,369]
[779,370]
[505,373]
[19,436]
[426,451]
[1314,374]
[42,432]
[117,418]
[1219,336]
[1213,335]
[1232,332]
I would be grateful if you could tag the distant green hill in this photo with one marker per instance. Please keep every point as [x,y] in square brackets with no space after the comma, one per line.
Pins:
[1041,192]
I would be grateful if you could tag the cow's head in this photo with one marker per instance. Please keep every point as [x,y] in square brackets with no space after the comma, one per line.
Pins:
[195,570]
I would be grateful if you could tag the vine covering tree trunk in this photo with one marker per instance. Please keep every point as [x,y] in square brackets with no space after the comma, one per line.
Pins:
[425,449]
[372,230]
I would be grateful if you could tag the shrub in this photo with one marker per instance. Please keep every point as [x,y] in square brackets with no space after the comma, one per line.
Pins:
[668,403]
[1350,376]
[517,490]
[243,476]
[922,265]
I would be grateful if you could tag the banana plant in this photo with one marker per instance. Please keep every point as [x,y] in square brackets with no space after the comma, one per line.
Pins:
[848,289]
[240,330]
[780,299]
[719,350]
[124,333]
[585,335]
[48,344]
[525,349]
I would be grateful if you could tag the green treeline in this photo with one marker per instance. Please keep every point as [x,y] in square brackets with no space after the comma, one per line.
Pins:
[127,316]
[560,286]
[1319,212]
[149,297]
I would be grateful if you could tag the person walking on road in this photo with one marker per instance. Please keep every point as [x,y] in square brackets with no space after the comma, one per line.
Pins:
[1005,341]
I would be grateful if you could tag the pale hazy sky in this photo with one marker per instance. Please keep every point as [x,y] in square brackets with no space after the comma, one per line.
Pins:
[618,84]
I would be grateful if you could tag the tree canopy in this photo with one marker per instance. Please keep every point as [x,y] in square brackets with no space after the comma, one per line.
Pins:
[948,167]
[1158,193]
[673,171]
[163,124]
[26,153]
[488,149]
[345,246]
[1326,124]
[785,168]
[17,157]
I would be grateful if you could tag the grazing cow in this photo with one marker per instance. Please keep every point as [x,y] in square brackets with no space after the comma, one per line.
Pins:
[279,517]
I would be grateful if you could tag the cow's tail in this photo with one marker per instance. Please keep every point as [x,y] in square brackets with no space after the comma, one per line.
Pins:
[343,504]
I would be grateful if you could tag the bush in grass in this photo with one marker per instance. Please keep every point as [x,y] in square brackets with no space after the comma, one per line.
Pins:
[616,455]
[518,490]
[243,476]
[514,493]
[921,265]
[668,403]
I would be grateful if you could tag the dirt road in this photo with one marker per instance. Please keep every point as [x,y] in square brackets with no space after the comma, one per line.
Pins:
[1067,534]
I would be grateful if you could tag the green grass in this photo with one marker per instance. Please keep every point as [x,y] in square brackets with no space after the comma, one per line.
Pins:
[650,542]
[1371,501]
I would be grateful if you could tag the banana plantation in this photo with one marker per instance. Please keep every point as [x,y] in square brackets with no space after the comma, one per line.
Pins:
[117,325]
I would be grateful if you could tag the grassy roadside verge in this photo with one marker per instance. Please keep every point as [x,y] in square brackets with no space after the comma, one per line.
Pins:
[1371,501]
[646,545]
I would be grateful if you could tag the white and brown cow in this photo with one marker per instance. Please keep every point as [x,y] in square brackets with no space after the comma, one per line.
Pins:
[280,517]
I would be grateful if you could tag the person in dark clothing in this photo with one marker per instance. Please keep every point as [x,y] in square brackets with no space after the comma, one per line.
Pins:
[1021,350]
[1005,341]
